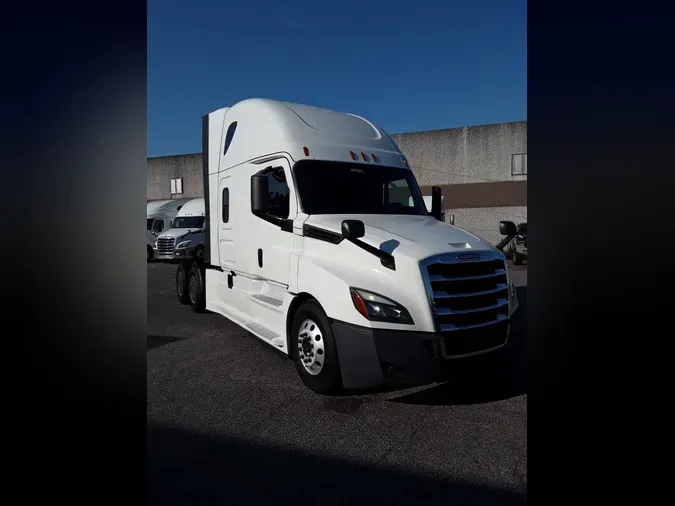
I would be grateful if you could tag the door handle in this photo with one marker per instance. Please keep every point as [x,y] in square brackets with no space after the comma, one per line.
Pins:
[260,257]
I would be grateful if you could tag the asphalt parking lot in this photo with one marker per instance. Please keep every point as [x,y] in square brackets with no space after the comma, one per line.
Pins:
[229,422]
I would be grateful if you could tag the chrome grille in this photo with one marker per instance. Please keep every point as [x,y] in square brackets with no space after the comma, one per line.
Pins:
[466,294]
[165,245]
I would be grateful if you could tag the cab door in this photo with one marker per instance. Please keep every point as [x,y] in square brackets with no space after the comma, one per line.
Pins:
[274,241]
[224,221]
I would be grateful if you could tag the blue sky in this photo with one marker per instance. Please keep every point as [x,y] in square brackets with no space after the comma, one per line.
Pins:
[418,65]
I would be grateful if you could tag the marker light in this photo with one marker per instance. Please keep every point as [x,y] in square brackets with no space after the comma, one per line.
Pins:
[358,303]
[306,150]
[353,155]
[363,155]
[374,157]
[405,162]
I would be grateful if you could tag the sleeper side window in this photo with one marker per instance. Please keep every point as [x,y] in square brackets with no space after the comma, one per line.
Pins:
[229,135]
[226,205]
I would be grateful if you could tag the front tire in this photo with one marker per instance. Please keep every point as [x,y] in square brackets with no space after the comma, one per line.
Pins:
[517,258]
[313,349]
[182,284]
[199,254]
[196,289]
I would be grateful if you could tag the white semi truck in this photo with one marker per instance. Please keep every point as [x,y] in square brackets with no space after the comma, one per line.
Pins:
[185,238]
[160,215]
[319,243]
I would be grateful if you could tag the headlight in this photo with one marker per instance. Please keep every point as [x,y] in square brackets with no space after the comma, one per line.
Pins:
[379,309]
[183,244]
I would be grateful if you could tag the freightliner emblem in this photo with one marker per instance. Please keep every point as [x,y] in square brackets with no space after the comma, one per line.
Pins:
[468,256]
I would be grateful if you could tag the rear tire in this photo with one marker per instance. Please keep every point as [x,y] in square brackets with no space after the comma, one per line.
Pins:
[196,289]
[182,284]
[313,348]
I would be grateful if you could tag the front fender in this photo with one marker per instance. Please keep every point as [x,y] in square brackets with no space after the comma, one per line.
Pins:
[330,290]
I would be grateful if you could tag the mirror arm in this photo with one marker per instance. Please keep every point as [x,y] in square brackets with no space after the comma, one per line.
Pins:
[386,259]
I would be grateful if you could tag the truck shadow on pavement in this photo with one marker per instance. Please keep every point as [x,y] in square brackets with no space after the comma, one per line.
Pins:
[489,378]
[184,467]
[157,341]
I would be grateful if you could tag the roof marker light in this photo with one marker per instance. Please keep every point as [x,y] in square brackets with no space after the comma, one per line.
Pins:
[306,150]
[405,162]
[363,155]
[373,157]
[351,153]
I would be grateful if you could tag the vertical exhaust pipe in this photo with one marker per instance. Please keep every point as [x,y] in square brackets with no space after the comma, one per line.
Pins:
[436,197]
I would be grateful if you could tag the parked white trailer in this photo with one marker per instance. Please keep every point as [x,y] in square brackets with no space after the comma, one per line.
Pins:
[160,215]
[318,242]
[185,238]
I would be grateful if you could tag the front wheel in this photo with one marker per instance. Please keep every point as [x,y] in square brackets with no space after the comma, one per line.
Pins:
[517,258]
[199,254]
[313,349]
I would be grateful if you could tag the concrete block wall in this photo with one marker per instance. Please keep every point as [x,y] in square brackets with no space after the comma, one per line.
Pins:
[475,164]
[475,154]
[484,222]
[164,168]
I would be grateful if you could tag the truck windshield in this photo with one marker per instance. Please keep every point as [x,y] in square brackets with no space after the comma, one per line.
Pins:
[188,222]
[347,188]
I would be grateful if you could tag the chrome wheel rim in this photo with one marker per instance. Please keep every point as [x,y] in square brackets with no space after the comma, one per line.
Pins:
[311,348]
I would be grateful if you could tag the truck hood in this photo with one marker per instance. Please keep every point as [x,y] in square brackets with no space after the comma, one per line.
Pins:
[415,236]
[178,233]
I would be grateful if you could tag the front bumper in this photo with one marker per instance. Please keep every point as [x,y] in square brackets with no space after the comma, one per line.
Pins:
[521,249]
[367,356]
[178,254]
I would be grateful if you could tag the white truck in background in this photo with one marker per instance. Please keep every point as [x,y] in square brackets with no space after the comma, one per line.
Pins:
[185,238]
[319,243]
[160,215]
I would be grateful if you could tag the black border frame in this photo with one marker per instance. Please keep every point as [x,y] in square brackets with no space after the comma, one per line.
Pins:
[600,116]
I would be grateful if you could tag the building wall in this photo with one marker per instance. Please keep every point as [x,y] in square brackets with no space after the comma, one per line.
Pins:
[164,168]
[473,165]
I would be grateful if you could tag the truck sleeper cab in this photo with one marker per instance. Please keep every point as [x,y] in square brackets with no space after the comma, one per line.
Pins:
[185,238]
[318,242]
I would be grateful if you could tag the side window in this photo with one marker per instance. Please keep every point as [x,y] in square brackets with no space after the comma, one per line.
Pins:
[397,193]
[279,193]
[226,205]
[158,226]
[229,135]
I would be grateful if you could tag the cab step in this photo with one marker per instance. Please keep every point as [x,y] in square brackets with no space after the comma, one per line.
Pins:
[267,334]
